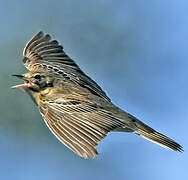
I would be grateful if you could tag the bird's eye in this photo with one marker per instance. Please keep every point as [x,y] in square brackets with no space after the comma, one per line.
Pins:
[37,76]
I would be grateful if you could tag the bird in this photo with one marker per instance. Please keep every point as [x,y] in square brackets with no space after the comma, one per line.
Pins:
[74,107]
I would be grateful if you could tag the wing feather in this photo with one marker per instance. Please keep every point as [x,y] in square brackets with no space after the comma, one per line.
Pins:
[43,54]
[64,139]
[79,126]
[40,47]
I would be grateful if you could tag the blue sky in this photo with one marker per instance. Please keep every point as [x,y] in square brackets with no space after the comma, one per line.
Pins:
[136,51]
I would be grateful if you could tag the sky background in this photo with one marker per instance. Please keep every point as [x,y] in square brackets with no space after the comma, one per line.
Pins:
[137,51]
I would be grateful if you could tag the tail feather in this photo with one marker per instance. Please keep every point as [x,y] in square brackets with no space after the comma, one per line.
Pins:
[159,139]
[132,124]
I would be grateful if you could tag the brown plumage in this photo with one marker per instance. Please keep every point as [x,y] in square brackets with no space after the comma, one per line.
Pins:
[74,107]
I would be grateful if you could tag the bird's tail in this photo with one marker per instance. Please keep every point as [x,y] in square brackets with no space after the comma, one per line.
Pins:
[150,134]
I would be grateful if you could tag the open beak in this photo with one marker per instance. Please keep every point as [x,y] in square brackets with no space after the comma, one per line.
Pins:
[21,86]
[18,76]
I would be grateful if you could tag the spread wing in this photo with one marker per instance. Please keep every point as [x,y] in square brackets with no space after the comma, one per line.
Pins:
[43,54]
[79,126]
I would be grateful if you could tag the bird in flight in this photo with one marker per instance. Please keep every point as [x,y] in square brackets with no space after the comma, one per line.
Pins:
[73,106]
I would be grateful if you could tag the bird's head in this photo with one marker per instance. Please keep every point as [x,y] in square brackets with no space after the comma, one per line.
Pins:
[35,81]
